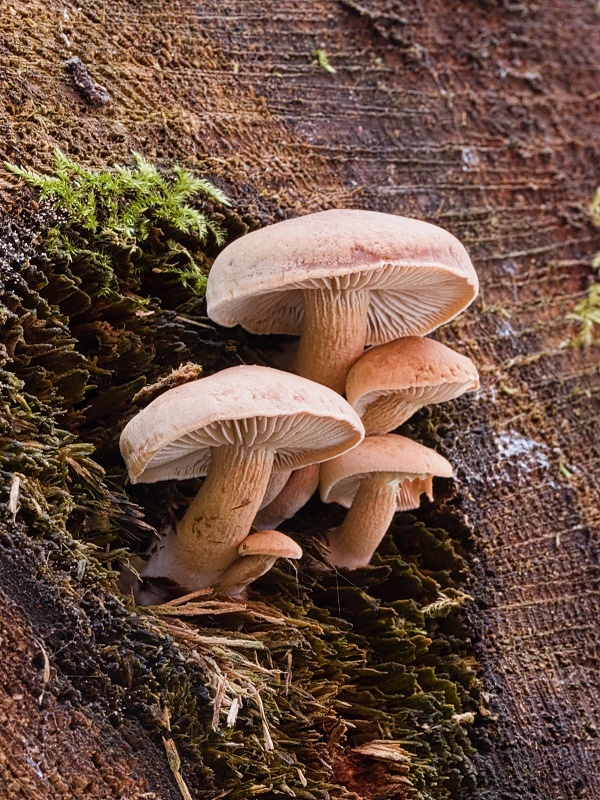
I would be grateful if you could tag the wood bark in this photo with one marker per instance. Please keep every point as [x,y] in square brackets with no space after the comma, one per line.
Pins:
[481,117]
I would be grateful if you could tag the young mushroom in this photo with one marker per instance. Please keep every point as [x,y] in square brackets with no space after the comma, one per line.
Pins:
[389,383]
[235,427]
[381,476]
[258,552]
[341,279]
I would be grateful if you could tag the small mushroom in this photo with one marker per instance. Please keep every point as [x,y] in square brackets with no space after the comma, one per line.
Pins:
[381,476]
[258,552]
[389,383]
[341,279]
[235,427]
[296,493]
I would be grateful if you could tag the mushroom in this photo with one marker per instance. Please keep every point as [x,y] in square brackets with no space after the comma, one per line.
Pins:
[389,383]
[341,279]
[276,485]
[258,552]
[296,493]
[384,474]
[235,427]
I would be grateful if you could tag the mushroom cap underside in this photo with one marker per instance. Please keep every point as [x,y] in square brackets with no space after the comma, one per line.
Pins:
[418,275]
[391,456]
[251,406]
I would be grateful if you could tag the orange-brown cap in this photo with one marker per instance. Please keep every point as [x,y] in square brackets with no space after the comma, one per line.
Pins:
[419,276]
[389,383]
[270,543]
[393,458]
[301,421]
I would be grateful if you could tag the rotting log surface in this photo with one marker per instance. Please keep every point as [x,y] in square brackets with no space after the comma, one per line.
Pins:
[481,117]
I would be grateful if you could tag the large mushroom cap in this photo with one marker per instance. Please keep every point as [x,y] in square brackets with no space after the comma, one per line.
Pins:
[419,276]
[403,375]
[399,458]
[302,421]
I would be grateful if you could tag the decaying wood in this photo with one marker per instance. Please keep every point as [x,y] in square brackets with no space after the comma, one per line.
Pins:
[481,117]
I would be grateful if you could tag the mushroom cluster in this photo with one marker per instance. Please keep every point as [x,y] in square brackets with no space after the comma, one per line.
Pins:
[237,427]
[342,280]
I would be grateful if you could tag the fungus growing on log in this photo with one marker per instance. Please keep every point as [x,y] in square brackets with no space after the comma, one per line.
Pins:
[381,476]
[341,279]
[235,427]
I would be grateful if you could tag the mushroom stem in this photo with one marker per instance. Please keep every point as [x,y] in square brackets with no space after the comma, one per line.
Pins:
[277,483]
[334,331]
[217,520]
[219,517]
[296,493]
[352,544]
[386,414]
[243,572]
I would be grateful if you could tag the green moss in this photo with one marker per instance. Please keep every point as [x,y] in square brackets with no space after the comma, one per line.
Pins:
[133,215]
[322,61]
[587,312]
[319,663]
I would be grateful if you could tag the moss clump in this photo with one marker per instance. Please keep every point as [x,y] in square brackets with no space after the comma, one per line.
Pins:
[318,665]
[129,214]
[587,311]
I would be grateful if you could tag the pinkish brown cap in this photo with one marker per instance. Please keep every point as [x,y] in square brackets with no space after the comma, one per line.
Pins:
[389,383]
[418,275]
[270,543]
[393,458]
[301,421]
